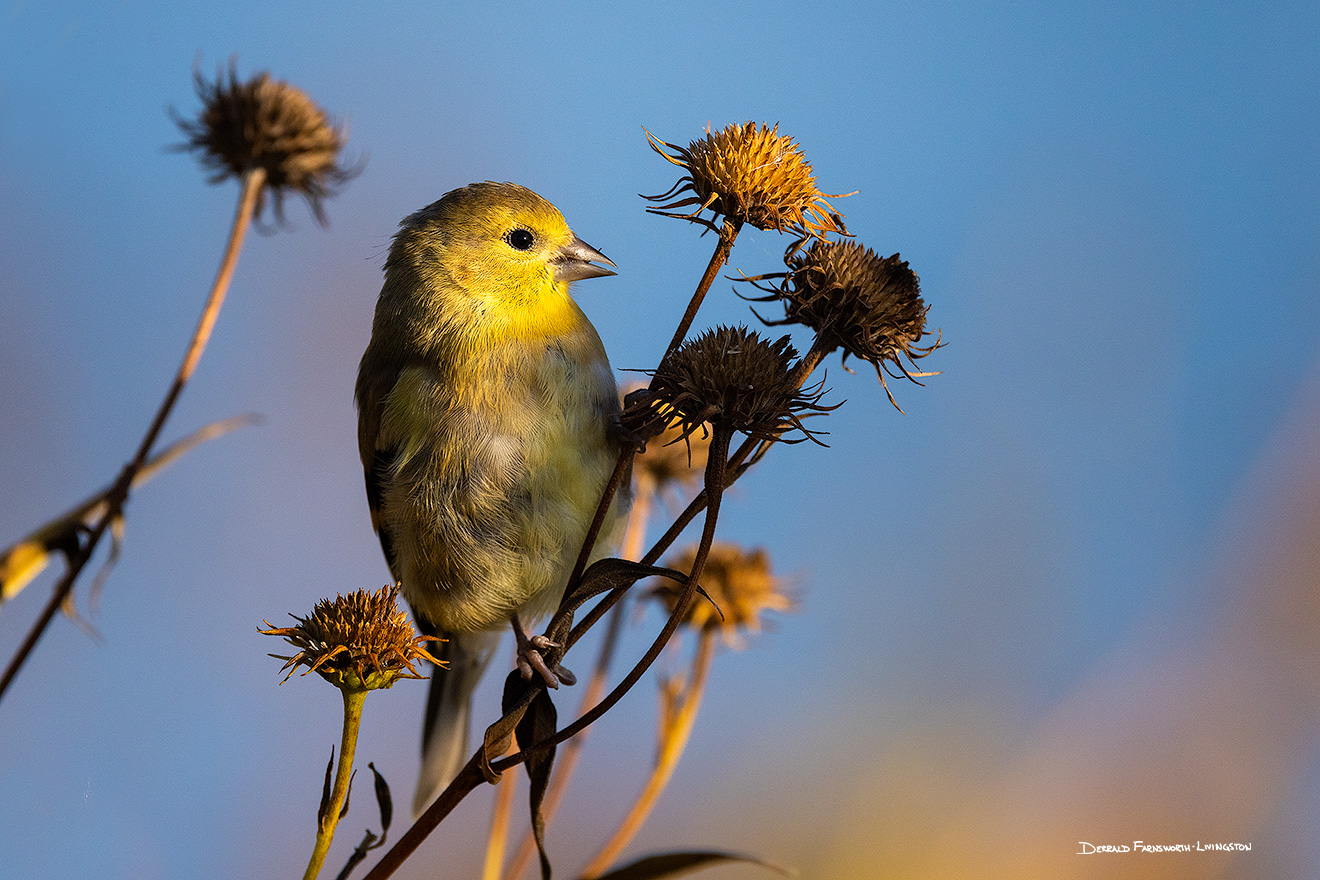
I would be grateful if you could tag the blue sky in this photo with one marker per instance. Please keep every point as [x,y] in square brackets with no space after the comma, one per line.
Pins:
[1112,211]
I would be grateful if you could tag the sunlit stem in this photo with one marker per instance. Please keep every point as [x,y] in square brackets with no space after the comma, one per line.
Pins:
[253,181]
[673,739]
[499,827]
[329,819]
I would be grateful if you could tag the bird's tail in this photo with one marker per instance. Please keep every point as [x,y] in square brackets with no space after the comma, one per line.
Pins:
[448,707]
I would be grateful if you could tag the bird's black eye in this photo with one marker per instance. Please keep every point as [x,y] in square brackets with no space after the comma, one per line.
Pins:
[519,239]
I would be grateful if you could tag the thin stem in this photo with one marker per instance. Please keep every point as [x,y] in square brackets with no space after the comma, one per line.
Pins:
[635,533]
[499,827]
[674,739]
[728,234]
[329,818]
[253,181]
[118,495]
[567,759]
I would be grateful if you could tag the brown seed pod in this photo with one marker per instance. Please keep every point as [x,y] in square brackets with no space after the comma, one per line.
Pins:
[729,376]
[268,124]
[867,305]
[749,174]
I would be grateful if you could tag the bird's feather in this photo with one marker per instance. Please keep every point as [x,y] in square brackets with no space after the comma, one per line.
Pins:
[485,399]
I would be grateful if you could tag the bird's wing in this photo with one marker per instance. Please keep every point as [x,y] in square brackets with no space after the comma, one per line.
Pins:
[377,453]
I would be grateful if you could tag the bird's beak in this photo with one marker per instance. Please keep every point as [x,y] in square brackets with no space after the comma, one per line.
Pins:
[577,260]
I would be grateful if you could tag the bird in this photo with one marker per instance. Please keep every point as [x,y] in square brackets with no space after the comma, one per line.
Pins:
[487,427]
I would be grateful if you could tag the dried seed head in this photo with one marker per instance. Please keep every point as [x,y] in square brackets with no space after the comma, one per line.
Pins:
[729,376]
[739,583]
[869,306]
[750,174]
[361,641]
[268,124]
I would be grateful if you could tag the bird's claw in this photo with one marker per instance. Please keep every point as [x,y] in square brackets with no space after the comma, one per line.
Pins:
[530,662]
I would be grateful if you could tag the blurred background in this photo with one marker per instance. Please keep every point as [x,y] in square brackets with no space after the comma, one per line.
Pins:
[1069,597]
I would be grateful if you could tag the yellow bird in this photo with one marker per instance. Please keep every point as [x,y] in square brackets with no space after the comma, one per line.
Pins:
[484,407]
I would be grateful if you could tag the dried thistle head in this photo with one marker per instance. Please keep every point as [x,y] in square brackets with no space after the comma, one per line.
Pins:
[729,376]
[870,306]
[268,124]
[750,174]
[361,641]
[740,585]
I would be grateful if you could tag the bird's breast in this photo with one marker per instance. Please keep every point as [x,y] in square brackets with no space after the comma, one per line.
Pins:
[506,456]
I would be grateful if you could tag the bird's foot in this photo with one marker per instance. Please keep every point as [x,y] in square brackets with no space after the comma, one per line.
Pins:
[531,662]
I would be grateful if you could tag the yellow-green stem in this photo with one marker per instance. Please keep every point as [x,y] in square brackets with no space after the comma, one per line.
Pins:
[329,819]
[673,740]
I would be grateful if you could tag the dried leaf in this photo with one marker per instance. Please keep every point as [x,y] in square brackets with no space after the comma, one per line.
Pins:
[518,695]
[348,795]
[325,789]
[540,721]
[612,573]
[383,800]
[674,864]
[370,841]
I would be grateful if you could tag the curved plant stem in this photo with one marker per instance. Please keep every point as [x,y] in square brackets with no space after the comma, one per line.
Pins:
[253,181]
[622,469]
[674,738]
[328,820]
[499,827]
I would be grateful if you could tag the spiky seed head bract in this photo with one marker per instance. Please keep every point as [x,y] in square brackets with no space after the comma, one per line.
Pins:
[265,123]
[750,174]
[729,376]
[361,641]
[671,459]
[739,584]
[867,305]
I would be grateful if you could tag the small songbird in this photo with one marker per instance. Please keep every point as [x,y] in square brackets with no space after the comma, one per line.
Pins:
[484,423]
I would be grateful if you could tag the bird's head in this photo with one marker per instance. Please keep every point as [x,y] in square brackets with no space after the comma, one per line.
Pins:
[495,252]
